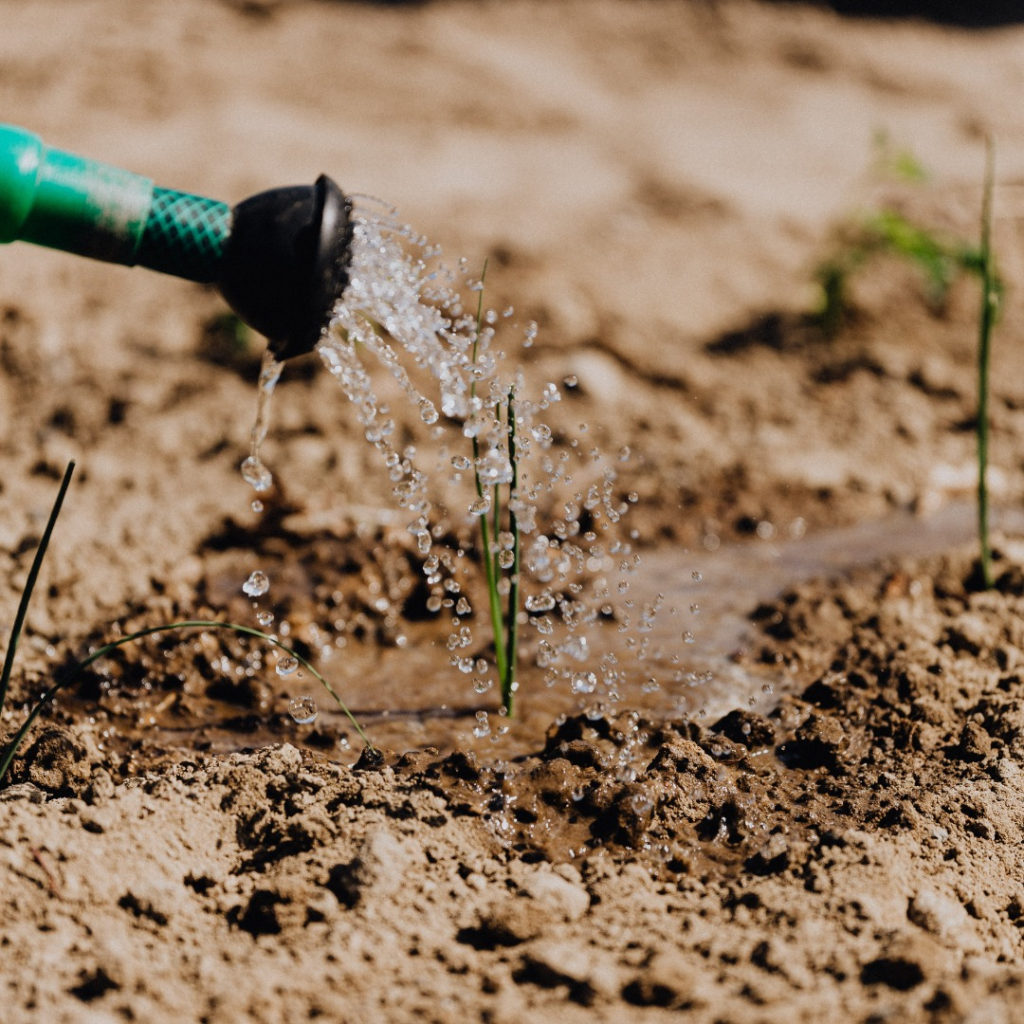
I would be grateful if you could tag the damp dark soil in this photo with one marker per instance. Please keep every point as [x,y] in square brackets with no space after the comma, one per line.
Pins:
[822,821]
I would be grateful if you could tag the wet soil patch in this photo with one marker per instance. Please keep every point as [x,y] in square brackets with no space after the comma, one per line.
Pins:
[857,847]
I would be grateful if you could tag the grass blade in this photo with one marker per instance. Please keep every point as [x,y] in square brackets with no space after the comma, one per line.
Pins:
[986,320]
[508,684]
[30,582]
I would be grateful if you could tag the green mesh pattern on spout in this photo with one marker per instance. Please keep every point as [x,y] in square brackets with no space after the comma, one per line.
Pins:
[184,235]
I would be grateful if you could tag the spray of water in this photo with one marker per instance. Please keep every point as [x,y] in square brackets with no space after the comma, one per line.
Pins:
[402,315]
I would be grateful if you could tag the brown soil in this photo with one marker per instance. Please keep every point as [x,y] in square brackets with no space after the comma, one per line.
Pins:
[655,184]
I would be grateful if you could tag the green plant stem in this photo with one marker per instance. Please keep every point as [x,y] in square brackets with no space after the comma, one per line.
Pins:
[490,527]
[494,602]
[504,624]
[30,582]
[986,319]
[508,683]
[496,513]
[73,673]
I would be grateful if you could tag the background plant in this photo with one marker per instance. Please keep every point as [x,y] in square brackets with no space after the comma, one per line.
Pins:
[941,259]
[886,231]
[889,232]
[991,295]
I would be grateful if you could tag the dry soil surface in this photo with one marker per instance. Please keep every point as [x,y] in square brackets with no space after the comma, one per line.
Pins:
[656,185]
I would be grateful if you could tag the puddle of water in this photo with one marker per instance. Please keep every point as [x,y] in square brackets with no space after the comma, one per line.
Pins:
[411,697]
[731,582]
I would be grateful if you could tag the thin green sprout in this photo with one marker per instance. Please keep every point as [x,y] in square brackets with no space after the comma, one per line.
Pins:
[986,320]
[513,527]
[505,627]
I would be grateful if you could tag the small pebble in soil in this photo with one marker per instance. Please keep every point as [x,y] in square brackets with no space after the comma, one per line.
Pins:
[303,709]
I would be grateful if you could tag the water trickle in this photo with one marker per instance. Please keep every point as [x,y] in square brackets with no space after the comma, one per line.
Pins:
[253,471]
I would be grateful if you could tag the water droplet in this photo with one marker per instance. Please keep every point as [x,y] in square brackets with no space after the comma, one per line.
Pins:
[287,665]
[696,576]
[428,412]
[494,468]
[584,682]
[256,505]
[542,602]
[482,727]
[302,709]
[463,607]
[256,474]
[265,618]
[481,506]
[256,585]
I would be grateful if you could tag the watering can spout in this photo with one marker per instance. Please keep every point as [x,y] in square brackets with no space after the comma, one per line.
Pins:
[280,258]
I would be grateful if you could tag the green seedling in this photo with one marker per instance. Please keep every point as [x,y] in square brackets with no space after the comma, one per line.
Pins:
[888,232]
[941,260]
[500,563]
[70,675]
[991,294]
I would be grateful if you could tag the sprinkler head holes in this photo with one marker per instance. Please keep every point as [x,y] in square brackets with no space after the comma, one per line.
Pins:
[286,262]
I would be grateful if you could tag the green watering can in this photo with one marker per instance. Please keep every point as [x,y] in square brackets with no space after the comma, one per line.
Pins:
[280,259]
